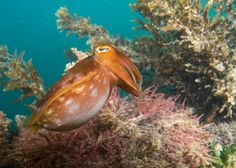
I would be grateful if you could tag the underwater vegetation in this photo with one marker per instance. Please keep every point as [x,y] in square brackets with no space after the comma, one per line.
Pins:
[197,52]
[4,143]
[17,74]
[186,48]
[149,131]
[224,156]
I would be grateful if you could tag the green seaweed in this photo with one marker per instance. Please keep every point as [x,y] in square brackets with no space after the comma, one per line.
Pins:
[225,156]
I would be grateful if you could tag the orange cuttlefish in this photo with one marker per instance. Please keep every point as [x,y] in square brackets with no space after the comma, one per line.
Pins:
[81,93]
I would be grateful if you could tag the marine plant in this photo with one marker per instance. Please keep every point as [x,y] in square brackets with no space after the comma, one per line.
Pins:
[224,133]
[17,74]
[149,131]
[197,51]
[81,26]
[4,141]
[224,156]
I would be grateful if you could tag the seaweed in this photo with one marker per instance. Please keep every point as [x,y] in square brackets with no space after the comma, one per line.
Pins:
[196,50]
[150,131]
[224,133]
[81,26]
[224,156]
[18,74]
[5,141]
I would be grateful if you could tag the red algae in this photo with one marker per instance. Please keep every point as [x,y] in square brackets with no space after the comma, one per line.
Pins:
[122,135]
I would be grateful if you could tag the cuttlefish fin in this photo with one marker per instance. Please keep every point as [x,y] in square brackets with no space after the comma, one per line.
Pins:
[35,116]
[34,128]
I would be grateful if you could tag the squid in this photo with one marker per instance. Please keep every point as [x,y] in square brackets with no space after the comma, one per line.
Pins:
[82,92]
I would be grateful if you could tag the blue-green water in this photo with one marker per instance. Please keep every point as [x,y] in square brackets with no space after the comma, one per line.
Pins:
[31,26]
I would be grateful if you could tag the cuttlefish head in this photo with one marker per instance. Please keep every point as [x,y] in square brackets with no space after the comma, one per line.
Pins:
[122,70]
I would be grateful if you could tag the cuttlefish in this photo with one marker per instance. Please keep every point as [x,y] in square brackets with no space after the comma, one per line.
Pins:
[81,93]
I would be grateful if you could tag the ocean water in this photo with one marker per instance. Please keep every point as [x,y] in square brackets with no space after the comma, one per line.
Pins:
[31,26]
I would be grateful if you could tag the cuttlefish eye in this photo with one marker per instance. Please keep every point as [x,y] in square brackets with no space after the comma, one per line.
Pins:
[103,49]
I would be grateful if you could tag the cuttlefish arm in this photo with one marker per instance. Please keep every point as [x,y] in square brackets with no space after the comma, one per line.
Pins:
[130,67]
[128,74]
[125,81]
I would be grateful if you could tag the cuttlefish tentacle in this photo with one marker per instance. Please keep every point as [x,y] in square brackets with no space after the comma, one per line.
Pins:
[83,90]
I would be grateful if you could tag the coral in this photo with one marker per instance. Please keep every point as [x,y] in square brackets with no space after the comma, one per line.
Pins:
[150,131]
[17,74]
[196,51]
